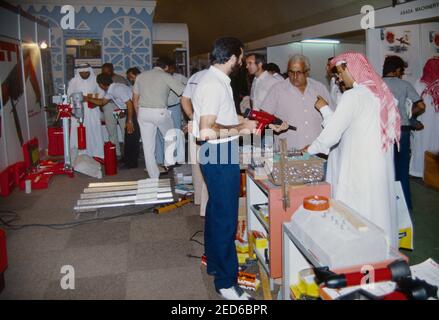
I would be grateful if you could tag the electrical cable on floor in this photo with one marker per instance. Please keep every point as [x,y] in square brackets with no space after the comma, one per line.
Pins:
[14,217]
[192,238]
[195,240]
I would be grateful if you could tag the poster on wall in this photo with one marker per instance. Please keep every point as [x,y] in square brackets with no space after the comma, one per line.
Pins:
[402,41]
[14,131]
[430,40]
[34,93]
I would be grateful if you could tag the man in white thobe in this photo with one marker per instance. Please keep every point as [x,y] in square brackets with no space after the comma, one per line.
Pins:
[85,81]
[427,139]
[366,123]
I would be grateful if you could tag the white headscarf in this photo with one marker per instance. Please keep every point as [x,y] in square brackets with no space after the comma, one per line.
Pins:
[77,84]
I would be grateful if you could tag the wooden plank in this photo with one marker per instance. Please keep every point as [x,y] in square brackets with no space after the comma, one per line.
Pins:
[282,162]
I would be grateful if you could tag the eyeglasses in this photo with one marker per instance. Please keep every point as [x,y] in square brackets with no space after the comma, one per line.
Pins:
[297,73]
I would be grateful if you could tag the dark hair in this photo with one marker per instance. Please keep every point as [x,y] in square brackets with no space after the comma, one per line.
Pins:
[104,79]
[224,48]
[259,58]
[272,67]
[108,65]
[164,61]
[133,70]
[392,63]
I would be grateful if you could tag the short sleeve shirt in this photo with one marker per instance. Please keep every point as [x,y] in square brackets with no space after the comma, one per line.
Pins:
[402,90]
[120,94]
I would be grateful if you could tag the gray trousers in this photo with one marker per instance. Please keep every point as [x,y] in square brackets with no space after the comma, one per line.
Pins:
[111,124]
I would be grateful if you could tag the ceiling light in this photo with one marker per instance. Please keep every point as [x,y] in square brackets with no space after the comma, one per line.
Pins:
[327,41]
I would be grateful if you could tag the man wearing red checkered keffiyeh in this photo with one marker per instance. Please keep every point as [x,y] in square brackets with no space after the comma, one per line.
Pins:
[427,139]
[366,124]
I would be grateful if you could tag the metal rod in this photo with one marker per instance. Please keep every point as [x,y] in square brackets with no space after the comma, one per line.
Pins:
[152,196]
[115,205]
[95,195]
[126,183]
[122,188]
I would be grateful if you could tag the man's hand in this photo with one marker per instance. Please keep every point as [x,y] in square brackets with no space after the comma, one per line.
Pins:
[284,126]
[190,127]
[249,124]
[320,103]
[305,150]
[130,127]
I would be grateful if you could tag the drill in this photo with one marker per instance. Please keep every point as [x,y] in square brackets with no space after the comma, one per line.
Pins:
[264,119]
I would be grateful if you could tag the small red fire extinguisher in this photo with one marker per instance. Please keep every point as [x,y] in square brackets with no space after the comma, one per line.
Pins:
[110,159]
[82,143]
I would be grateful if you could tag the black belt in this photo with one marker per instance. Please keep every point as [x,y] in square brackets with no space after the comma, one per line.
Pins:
[406,128]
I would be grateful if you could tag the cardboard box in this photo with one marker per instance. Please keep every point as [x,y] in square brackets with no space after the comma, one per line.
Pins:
[431,169]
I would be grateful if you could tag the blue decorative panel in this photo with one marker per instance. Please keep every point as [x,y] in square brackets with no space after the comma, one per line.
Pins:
[125,35]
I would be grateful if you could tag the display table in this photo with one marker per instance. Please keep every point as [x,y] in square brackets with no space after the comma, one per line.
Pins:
[296,258]
[264,192]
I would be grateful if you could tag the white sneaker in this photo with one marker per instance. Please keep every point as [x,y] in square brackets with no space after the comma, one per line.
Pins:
[234,293]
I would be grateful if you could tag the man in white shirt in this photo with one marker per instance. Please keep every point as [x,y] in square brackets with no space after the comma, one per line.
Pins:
[175,108]
[217,125]
[121,95]
[200,188]
[262,81]
[366,124]
[150,98]
[108,110]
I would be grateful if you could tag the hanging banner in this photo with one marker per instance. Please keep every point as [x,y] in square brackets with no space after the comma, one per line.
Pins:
[34,93]
[430,40]
[14,131]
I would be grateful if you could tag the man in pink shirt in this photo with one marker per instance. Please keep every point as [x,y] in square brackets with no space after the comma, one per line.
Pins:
[293,100]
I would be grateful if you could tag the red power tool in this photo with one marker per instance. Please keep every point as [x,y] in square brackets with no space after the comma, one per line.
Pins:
[393,272]
[264,119]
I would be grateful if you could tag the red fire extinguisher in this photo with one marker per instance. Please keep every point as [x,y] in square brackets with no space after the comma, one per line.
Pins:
[82,143]
[110,159]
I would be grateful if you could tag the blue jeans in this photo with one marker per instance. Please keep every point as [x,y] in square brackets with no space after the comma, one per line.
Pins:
[402,163]
[221,173]
[159,145]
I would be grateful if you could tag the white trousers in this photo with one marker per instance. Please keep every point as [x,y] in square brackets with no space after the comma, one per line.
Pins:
[200,189]
[149,120]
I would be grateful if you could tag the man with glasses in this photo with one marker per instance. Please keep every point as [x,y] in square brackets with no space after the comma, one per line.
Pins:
[293,100]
